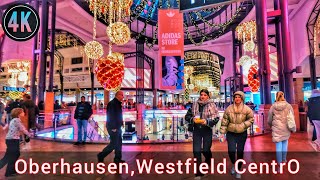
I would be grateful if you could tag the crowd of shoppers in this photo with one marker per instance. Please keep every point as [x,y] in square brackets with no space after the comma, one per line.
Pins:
[202,116]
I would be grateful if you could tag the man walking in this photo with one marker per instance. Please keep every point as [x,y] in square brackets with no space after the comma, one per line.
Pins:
[114,123]
[82,114]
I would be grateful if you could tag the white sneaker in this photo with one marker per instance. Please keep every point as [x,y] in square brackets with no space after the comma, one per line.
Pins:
[238,176]
[233,171]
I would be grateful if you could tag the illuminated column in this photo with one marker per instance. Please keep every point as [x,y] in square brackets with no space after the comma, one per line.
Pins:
[43,48]
[286,45]
[279,49]
[264,62]
[34,62]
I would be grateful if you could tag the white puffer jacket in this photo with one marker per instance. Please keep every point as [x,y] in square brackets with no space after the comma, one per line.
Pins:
[277,119]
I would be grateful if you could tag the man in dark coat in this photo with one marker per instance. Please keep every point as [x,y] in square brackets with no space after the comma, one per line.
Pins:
[82,114]
[313,111]
[114,124]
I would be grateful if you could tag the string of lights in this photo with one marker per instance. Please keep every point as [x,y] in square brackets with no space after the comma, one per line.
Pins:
[205,37]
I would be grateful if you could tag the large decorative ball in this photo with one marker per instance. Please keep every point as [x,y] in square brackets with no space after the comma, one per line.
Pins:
[253,80]
[93,49]
[110,71]
[248,46]
[119,33]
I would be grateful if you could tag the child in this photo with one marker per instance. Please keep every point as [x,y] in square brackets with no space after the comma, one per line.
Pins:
[13,141]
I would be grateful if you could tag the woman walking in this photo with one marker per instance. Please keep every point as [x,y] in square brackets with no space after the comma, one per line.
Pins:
[278,116]
[237,118]
[203,116]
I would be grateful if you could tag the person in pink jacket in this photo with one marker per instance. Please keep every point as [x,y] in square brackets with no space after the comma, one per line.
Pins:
[278,120]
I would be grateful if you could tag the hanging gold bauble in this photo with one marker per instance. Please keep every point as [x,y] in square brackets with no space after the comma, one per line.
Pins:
[248,46]
[119,33]
[244,59]
[110,71]
[93,49]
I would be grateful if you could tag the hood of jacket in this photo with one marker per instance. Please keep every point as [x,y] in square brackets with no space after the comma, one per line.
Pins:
[280,105]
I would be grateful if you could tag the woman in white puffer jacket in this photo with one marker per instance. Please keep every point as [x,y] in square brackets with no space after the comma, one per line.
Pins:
[278,120]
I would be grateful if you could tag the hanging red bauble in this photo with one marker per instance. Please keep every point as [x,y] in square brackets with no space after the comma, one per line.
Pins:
[253,80]
[110,71]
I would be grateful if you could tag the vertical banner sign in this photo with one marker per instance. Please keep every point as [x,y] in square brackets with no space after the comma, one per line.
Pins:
[48,109]
[171,44]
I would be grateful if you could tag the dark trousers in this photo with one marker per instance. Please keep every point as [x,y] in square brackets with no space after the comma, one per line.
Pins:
[314,134]
[11,156]
[236,142]
[202,137]
[115,144]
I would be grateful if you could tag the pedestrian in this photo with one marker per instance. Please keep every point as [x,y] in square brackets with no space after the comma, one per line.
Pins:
[278,120]
[82,114]
[31,110]
[313,112]
[2,107]
[203,115]
[237,118]
[114,124]
[13,141]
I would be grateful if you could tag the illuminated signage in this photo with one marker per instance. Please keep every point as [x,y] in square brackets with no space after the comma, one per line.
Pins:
[19,89]
[190,5]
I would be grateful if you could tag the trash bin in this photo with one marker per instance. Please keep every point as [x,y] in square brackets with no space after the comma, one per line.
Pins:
[303,121]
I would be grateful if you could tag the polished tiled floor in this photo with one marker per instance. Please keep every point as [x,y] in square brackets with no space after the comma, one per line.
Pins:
[258,149]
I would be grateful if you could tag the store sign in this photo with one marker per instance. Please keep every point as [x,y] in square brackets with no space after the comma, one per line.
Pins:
[19,89]
[171,44]
[191,5]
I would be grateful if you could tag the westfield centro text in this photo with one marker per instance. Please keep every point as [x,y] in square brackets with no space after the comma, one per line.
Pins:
[148,166]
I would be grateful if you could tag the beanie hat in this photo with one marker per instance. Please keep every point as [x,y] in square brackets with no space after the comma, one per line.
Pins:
[240,93]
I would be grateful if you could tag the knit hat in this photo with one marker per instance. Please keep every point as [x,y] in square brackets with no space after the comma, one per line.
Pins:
[240,93]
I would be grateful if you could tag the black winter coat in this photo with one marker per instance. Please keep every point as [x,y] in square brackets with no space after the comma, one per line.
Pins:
[114,114]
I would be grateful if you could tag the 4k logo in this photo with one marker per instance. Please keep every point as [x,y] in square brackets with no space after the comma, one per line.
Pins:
[20,22]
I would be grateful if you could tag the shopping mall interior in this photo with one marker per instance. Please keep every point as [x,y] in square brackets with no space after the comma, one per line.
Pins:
[161,54]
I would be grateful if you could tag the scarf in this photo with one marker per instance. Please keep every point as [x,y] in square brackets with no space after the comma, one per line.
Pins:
[209,109]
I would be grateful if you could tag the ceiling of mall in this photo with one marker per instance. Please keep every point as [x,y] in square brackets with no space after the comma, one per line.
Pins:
[73,17]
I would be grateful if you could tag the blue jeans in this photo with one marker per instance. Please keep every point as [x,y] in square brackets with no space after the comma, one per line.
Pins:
[82,124]
[281,151]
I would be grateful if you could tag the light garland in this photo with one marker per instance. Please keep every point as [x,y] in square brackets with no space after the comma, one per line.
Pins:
[122,7]
[205,37]
[94,49]
[247,31]
[316,33]
[119,33]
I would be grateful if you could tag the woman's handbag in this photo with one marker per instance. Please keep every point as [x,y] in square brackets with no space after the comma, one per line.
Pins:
[291,122]
[190,127]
